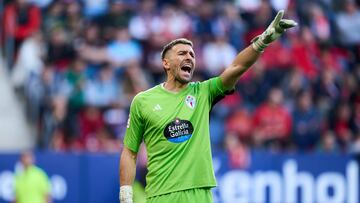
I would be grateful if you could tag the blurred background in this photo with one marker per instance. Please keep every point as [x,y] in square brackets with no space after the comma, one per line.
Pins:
[290,132]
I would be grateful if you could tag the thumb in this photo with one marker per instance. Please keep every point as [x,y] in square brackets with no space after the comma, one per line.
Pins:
[286,23]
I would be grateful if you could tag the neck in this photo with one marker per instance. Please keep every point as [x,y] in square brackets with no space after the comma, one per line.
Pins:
[174,86]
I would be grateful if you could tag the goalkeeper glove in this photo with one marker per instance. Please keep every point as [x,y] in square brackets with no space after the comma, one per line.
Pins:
[277,27]
[126,194]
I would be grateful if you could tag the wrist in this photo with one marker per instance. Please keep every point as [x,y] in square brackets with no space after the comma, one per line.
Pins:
[258,45]
[126,194]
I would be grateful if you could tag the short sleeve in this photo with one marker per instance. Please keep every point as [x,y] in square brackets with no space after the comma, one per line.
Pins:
[216,89]
[135,127]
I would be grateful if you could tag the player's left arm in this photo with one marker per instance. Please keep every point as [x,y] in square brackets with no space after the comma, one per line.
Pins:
[249,55]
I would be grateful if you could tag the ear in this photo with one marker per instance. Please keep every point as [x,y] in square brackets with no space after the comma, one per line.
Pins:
[166,64]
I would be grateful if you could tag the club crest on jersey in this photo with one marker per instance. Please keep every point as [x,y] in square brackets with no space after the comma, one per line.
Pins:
[190,101]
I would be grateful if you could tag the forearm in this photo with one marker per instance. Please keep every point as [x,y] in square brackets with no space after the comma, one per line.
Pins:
[127,167]
[127,175]
[242,62]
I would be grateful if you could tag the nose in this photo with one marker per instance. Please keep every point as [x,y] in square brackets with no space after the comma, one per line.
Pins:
[188,57]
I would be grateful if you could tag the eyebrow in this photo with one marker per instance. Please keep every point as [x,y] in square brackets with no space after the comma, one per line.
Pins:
[185,51]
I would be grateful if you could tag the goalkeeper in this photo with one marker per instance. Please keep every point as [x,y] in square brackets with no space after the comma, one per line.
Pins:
[172,119]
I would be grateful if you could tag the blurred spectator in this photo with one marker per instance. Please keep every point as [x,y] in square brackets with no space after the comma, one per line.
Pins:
[72,88]
[237,151]
[136,80]
[232,25]
[118,15]
[94,8]
[40,93]
[280,4]
[54,17]
[258,23]
[21,19]
[348,22]
[276,66]
[292,85]
[29,60]
[54,131]
[254,86]
[90,47]
[280,60]
[272,122]
[218,55]
[116,120]
[60,51]
[307,123]
[349,87]
[342,124]
[140,25]
[103,90]
[320,24]
[305,52]
[172,23]
[240,124]
[328,142]
[108,142]
[102,141]
[248,6]
[31,183]
[91,125]
[73,84]
[123,50]
[74,22]
[203,21]
[327,90]
[331,58]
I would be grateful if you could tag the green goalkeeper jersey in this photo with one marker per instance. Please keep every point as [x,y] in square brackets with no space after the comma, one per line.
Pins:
[175,129]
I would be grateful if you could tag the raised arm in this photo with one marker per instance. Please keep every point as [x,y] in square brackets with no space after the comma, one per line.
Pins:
[127,175]
[249,55]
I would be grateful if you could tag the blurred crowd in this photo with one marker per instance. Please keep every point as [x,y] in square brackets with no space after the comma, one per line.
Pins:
[78,64]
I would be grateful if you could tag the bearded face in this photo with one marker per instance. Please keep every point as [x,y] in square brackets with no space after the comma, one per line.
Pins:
[180,63]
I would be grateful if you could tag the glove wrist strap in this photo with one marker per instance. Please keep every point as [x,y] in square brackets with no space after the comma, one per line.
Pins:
[259,45]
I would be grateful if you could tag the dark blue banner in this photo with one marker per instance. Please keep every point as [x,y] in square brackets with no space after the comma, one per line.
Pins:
[278,178]
[318,178]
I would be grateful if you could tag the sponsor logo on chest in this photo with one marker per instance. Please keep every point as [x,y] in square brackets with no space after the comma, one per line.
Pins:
[190,101]
[178,130]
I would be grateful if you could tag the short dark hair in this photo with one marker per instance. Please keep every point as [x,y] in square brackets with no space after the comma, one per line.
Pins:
[173,43]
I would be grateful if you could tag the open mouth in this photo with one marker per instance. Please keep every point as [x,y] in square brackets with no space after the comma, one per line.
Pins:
[186,67]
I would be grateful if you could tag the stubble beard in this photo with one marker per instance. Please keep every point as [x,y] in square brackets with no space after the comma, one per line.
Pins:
[183,80]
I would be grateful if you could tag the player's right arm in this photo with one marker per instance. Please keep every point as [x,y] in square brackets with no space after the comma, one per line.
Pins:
[127,174]
[132,141]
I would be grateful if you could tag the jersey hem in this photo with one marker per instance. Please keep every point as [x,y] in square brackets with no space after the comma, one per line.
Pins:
[182,189]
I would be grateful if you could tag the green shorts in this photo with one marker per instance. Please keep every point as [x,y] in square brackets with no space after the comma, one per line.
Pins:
[202,195]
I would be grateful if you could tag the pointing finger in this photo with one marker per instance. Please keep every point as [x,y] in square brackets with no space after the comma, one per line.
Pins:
[278,17]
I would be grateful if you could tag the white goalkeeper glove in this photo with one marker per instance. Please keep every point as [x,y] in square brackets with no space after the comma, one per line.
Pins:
[277,27]
[126,194]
